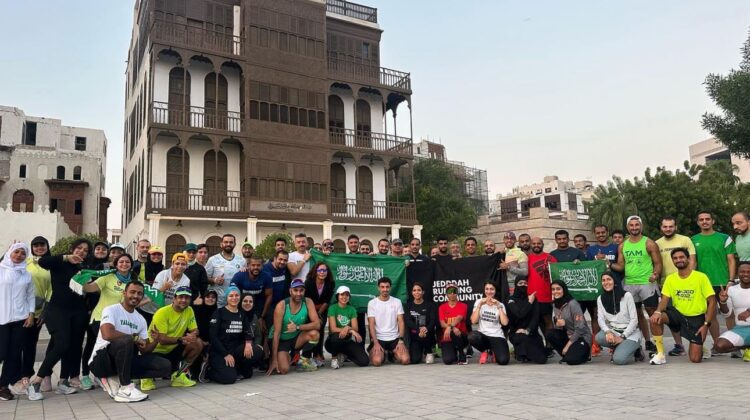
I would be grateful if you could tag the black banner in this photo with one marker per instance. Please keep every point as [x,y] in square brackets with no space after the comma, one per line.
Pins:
[469,273]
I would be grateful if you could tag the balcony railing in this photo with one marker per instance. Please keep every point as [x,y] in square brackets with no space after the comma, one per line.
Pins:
[354,10]
[196,199]
[173,33]
[376,210]
[197,116]
[366,140]
[347,69]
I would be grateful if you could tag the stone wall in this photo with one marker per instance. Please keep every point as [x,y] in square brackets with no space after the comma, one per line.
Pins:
[24,226]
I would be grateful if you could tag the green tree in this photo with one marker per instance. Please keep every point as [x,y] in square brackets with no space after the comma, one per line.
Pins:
[62,246]
[731,93]
[267,247]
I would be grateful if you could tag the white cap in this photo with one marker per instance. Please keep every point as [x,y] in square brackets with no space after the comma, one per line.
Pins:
[634,217]
[343,289]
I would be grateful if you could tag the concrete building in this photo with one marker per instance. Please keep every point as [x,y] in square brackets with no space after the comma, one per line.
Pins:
[712,149]
[46,166]
[253,116]
[45,223]
[554,194]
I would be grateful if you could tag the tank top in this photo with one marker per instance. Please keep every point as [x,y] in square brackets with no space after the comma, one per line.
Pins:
[299,318]
[638,264]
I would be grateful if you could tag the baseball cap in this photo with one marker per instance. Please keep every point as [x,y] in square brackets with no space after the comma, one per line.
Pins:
[190,247]
[509,235]
[156,249]
[398,241]
[183,291]
[118,245]
[343,289]
[247,243]
[297,283]
[634,217]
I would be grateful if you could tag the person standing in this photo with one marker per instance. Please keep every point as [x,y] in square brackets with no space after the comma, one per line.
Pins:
[516,262]
[470,246]
[173,278]
[319,287]
[604,250]
[539,283]
[741,226]
[276,274]
[221,267]
[195,272]
[139,266]
[299,260]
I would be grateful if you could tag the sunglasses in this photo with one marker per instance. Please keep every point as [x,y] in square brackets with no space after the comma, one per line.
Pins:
[322,270]
[327,245]
[451,290]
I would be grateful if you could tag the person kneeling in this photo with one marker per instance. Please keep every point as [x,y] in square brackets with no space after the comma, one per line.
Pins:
[490,314]
[343,332]
[452,315]
[524,315]
[385,315]
[736,302]
[116,359]
[232,354]
[618,322]
[570,336]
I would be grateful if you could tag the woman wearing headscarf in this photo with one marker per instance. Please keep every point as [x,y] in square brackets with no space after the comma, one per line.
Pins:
[98,260]
[618,320]
[16,313]
[319,287]
[570,336]
[523,331]
[66,319]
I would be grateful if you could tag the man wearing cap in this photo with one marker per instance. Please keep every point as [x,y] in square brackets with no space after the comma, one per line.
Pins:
[299,260]
[221,267]
[295,326]
[397,247]
[169,280]
[638,257]
[516,262]
[195,272]
[175,331]
[385,317]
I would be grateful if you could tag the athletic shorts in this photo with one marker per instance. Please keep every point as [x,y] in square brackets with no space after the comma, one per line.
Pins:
[738,336]
[287,345]
[386,345]
[687,325]
[644,294]
[588,305]
[545,309]
[175,356]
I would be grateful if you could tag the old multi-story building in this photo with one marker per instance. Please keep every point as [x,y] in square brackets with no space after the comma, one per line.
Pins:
[712,149]
[46,166]
[255,116]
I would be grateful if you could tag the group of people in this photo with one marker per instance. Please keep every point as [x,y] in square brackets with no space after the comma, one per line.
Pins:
[224,316]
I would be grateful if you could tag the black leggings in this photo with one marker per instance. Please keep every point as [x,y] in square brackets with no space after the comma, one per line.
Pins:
[121,358]
[66,329]
[498,345]
[92,331]
[11,341]
[529,348]
[419,346]
[219,372]
[346,346]
[453,351]
[28,353]
[318,349]
[579,352]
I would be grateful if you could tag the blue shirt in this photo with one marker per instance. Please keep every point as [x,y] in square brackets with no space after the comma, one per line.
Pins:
[254,287]
[277,279]
[568,254]
[610,251]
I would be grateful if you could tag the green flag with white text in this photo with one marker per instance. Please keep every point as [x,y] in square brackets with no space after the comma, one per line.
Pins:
[361,274]
[583,279]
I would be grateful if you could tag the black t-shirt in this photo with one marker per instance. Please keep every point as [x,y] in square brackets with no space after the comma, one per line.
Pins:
[422,315]
[229,330]
[60,274]
[568,254]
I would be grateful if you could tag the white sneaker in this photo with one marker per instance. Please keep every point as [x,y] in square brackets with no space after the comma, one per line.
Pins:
[706,352]
[35,393]
[658,359]
[129,393]
[20,387]
[335,362]
[110,385]
[64,388]
[429,359]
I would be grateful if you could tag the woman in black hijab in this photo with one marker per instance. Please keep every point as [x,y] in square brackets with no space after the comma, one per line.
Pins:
[570,336]
[523,330]
[618,320]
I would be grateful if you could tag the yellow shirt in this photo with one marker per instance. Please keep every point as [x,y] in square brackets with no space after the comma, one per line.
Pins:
[689,294]
[172,323]
[665,248]
[42,285]
[110,293]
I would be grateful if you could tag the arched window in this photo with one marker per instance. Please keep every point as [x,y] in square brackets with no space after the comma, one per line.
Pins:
[335,113]
[364,190]
[179,95]
[23,201]
[60,172]
[338,188]
[174,244]
[215,178]
[77,173]
[214,245]
[216,101]
[339,246]
[363,123]
[178,173]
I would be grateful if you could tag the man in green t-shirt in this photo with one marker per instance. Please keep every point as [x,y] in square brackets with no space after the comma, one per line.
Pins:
[175,330]
[715,257]
[741,225]
[692,311]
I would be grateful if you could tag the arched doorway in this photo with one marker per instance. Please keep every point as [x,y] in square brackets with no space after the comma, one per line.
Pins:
[363,124]
[216,95]
[336,120]
[338,188]
[214,245]
[23,201]
[339,246]
[364,190]
[178,173]
[215,178]
[174,244]
[179,95]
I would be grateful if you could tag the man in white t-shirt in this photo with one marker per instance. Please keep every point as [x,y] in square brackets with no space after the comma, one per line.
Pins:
[299,260]
[735,302]
[221,267]
[123,351]
[167,281]
[385,316]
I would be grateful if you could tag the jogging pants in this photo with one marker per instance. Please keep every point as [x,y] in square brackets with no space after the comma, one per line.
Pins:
[92,331]
[363,327]
[28,353]
[219,372]
[419,346]
[454,348]
[624,352]
[529,348]
[498,345]
[11,341]
[121,358]
[66,329]
[346,346]
[318,349]
[579,352]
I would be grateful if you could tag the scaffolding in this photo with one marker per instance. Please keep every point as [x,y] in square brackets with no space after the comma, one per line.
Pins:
[474,183]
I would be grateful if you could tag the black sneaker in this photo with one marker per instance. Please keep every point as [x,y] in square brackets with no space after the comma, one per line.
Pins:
[639,356]
[549,352]
[650,346]
[462,358]
[677,350]
[5,394]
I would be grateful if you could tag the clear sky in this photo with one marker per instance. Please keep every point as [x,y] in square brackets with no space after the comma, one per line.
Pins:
[524,89]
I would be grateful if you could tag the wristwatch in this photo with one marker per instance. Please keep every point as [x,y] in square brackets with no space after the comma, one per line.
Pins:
[297,327]
[707,323]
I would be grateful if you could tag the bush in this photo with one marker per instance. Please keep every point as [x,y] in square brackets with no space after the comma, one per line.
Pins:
[62,246]
[266,248]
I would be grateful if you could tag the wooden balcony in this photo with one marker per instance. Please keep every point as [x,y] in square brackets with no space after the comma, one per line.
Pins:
[182,35]
[197,117]
[195,201]
[368,141]
[352,209]
[353,10]
[368,74]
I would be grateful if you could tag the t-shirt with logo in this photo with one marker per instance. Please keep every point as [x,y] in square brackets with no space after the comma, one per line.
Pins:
[130,323]
[448,314]
[610,253]
[255,287]
[688,295]
[110,293]
[343,316]
[163,277]
[278,280]
[218,265]
[539,277]
[711,253]
[173,324]
[489,319]
[666,246]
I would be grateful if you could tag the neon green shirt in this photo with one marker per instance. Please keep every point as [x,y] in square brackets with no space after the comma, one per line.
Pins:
[689,294]
[172,323]
[110,293]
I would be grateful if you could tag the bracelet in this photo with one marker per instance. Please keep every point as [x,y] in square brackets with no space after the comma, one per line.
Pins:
[657,312]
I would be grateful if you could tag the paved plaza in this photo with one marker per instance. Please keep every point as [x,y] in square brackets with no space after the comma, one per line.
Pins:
[595,390]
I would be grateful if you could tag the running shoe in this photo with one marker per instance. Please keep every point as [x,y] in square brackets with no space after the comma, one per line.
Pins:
[147,384]
[306,365]
[595,349]
[335,362]
[746,355]
[35,392]
[6,394]
[20,387]
[75,382]
[319,362]
[65,388]
[706,352]
[203,375]
[429,359]
[483,358]
[180,380]
[677,350]
[650,346]
[658,359]
[129,393]
[737,354]
[86,383]
[110,385]
[639,356]
[295,359]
